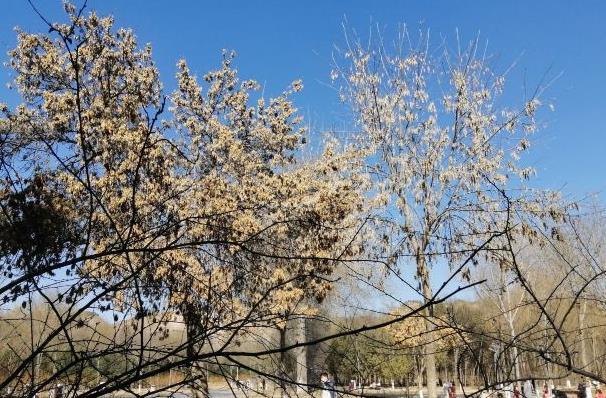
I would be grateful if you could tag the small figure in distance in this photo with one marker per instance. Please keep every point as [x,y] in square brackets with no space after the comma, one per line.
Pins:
[452,391]
[328,388]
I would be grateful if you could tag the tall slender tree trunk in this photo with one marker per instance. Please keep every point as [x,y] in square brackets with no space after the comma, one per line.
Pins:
[510,318]
[430,347]
[584,351]
[282,371]
[514,351]
[455,367]
[198,377]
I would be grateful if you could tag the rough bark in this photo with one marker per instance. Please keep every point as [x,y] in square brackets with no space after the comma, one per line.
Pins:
[301,356]
[198,378]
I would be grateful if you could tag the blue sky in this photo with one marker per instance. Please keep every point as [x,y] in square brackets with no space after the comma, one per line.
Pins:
[280,41]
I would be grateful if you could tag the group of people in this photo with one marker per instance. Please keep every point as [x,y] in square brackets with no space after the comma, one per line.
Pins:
[529,390]
[450,390]
[55,392]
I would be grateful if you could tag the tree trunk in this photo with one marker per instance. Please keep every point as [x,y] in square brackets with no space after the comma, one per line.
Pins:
[514,359]
[584,352]
[420,382]
[430,364]
[282,373]
[301,357]
[198,378]
[464,372]
[430,347]
[419,374]
[510,317]
[407,385]
[455,368]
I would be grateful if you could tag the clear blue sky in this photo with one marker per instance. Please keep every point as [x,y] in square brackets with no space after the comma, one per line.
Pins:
[279,41]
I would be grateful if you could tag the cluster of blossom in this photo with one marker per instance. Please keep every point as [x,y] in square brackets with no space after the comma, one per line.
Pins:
[208,206]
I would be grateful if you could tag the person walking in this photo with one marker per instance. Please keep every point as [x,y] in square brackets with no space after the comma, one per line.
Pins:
[452,391]
[58,391]
[528,390]
[546,391]
[582,390]
[446,388]
[328,387]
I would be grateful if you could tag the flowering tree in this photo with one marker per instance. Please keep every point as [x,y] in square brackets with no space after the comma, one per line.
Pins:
[442,148]
[129,214]
[301,218]
[203,212]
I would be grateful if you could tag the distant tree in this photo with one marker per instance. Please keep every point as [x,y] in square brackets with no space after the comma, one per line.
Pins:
[368,357]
